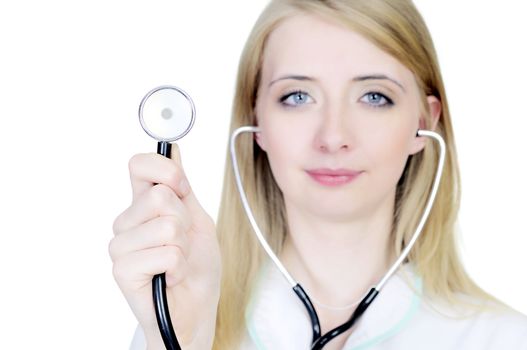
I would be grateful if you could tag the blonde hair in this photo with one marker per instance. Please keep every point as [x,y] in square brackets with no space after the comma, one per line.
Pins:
[397,28]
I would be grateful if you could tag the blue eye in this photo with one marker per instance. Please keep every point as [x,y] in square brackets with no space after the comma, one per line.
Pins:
[376,99]
[295,98]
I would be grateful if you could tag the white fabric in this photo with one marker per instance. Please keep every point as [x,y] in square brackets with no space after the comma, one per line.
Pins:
[399,318]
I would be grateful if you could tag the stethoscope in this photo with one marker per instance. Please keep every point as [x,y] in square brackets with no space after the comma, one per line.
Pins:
[167,114]
[164,103]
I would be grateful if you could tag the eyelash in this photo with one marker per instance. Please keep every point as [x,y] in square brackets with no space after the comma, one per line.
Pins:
[286,96]
[387,104]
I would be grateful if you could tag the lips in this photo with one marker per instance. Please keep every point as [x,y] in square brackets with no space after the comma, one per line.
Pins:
[333,177]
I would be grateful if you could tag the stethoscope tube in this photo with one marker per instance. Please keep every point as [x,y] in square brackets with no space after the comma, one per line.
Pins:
[361,308]
[159,291]
[319,341]
[315,322]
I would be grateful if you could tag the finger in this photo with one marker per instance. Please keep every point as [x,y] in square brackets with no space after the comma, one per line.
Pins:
[160,231]
[148,169]
[137,268]
[189,198]
[159,200]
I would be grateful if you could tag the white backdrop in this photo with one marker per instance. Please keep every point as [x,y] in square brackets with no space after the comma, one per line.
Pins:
[72,74]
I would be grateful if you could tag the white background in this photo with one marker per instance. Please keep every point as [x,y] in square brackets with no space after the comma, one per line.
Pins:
[72,74]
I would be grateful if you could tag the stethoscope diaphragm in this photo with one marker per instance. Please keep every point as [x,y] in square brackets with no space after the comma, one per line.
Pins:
[167,113]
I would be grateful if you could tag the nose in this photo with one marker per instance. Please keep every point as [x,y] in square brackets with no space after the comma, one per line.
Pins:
[334,131]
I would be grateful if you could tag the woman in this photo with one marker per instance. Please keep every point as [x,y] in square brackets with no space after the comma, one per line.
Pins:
[337,179]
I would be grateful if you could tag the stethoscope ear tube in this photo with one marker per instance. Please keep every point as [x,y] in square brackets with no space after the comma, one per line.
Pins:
[318,340]
[159,291]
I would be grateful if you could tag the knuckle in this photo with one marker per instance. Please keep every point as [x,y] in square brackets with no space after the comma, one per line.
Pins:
[111,248]
[173,256]
[117,271]
[174,175]
[116,226]
[133,162]
[116,248]
[170,226]
[161,195]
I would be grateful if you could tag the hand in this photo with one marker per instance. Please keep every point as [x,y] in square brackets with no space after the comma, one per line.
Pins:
[165,229]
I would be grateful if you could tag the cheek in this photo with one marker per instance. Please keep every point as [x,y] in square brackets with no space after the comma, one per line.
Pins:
[387,150]
[282,143]
[286,145]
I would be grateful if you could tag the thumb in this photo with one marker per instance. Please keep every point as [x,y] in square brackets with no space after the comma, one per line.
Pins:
[186,194]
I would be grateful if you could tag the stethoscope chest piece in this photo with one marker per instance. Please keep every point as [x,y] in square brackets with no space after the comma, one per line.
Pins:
[167,113]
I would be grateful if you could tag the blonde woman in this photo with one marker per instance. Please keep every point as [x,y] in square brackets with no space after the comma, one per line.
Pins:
[337,178]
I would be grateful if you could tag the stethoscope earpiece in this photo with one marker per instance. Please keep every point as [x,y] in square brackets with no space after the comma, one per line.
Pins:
[319,341]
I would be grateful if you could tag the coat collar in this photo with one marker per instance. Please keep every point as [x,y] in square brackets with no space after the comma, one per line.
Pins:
[277,319]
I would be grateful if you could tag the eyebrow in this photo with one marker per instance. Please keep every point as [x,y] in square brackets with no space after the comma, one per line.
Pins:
[293,77]
[358,78]
[378,77]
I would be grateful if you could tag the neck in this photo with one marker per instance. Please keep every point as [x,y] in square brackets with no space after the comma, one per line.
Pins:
[338,262]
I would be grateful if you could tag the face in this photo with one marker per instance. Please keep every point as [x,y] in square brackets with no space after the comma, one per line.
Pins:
[338,118]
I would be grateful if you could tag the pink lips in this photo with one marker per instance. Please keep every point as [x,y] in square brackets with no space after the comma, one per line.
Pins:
[333,177]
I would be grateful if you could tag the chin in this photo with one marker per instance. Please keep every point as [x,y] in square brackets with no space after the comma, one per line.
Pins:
[333,210]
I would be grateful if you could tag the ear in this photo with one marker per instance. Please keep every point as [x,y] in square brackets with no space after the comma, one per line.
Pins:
[260,140]
[257,136]
[434,113]
[434,108]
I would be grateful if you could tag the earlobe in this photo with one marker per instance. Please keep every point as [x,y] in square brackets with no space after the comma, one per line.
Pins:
[259,140]
[257,136]
[418,143]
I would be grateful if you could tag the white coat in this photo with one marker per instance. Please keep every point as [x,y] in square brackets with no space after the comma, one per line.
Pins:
[399,318]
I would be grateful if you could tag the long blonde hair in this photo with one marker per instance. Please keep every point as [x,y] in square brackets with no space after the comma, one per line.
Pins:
[396,27]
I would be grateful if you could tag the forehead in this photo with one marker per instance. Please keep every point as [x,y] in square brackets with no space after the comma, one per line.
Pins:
[311,45]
